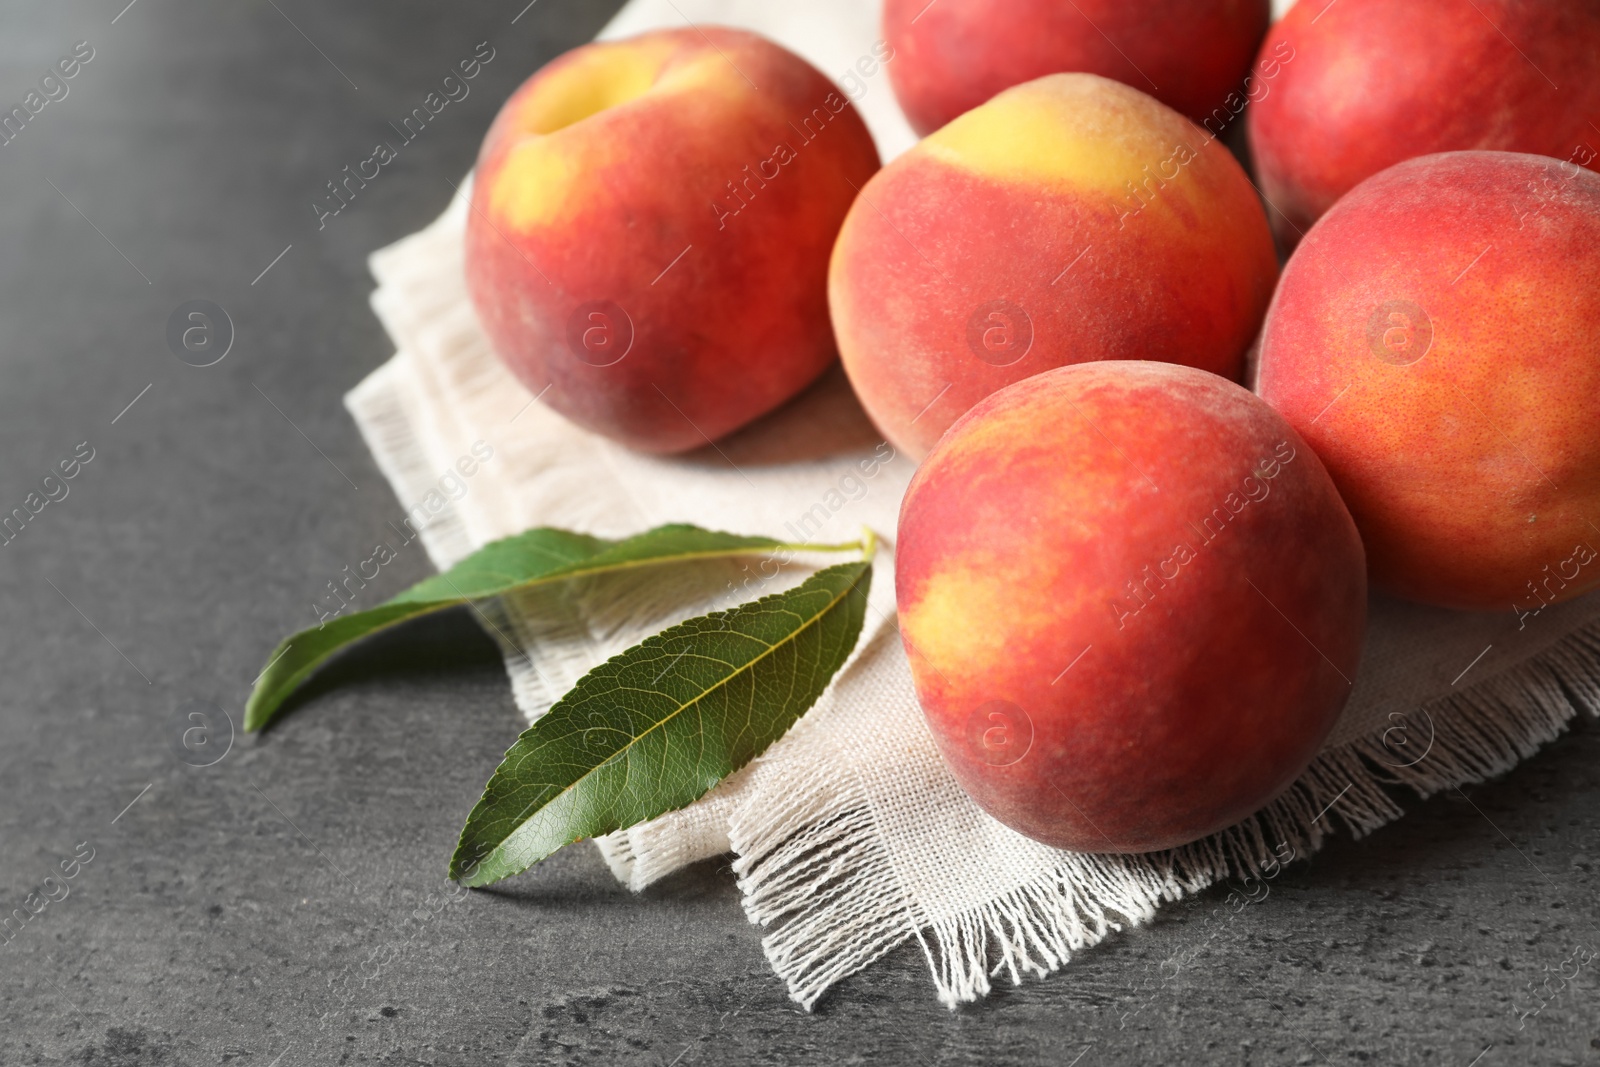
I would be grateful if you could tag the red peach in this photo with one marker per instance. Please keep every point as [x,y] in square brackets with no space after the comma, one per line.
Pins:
[1436,339]
[1066,220]
[952,55]
[1369,83]
[650,227]
[1132,602]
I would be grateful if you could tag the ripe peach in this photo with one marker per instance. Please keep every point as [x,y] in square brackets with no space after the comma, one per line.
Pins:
[1068,219]
[1132,602]
[650,227]
[1373,82]
[1436,339]
[952,55]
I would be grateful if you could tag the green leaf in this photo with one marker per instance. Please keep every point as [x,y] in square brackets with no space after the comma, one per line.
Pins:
[656,727]
[527,559]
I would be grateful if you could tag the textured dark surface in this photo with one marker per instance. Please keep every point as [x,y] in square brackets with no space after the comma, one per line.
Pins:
[274,908]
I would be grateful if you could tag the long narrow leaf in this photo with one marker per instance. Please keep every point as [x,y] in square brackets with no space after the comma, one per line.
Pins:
[656,727]
[531,558]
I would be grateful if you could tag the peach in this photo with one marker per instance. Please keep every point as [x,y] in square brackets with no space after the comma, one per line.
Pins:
[952,55]
[1436,339]
[1370,83]
[650,226]
[1132,602]
[1068,219]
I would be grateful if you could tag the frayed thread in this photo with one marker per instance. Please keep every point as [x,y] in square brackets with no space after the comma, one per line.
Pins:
[816,868]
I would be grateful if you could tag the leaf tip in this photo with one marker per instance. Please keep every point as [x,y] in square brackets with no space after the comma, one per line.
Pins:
[466,868]
[255,718]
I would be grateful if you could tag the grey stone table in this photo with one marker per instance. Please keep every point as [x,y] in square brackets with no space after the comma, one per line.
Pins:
[286,905]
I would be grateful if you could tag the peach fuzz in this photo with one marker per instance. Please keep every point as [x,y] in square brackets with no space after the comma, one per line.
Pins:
[1132,603]
[1376,82]
[952,55]
[1068,219]
[1436,339]
[650,226]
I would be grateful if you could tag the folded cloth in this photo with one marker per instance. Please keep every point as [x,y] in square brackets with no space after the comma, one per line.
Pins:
[850,837]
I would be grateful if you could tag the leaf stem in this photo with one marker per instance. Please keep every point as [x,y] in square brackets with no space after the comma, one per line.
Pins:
[847,546]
